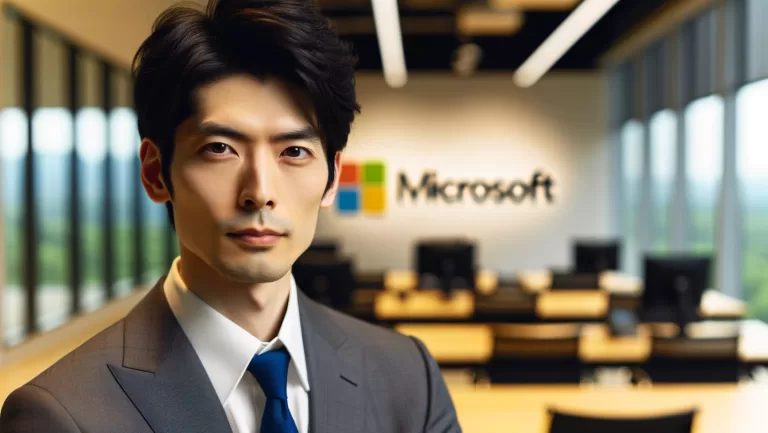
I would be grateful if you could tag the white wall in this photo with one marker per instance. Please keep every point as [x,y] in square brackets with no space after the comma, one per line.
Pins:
[487,128]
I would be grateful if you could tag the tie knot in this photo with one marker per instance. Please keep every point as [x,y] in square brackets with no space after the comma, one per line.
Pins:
[271,371]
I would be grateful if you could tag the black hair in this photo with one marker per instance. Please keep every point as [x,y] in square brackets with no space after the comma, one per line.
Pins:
[286,39]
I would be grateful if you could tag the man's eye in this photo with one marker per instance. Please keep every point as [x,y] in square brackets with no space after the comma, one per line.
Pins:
[296,152]
[217,148]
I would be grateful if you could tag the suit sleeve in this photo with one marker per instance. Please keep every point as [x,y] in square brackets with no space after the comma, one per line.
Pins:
[441,414]
[32,409]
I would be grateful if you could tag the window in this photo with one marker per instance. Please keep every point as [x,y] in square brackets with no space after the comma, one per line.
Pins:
[704,159]
[752,151]
[632,136]
[123,139]
[39,127]
[663,130]
[13,152]
[52,135]
[91,124]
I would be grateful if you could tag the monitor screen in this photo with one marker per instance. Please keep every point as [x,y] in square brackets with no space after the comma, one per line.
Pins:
[450,262]
[329,281]
[675,283]
[596,257]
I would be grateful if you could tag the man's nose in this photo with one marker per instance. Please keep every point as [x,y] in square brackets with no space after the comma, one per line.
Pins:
[258,185]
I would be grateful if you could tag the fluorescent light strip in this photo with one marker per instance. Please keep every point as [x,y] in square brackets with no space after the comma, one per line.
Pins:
[387,19]
[561,40]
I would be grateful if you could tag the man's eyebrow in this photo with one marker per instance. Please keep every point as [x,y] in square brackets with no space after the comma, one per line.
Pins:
[307,133]
[213,128]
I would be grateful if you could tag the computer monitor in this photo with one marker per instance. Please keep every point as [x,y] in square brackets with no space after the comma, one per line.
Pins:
[320,251]
[674,286]
[327,247]
[450,264]
[595,256]
[328,280]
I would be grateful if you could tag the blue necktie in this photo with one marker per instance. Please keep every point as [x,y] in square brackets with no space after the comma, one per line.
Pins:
[271,371]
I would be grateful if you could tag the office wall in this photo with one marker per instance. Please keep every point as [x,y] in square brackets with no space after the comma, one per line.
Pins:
[482,128]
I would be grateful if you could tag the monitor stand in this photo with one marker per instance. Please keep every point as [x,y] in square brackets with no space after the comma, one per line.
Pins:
[686,309]
[446,279]
[446,286]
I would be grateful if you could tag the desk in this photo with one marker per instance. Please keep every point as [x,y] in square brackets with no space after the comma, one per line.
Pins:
[424,304]
[714,304]
[553,305]
[523,409]
[454,343]
[594,304]
[595,343]
[486,281]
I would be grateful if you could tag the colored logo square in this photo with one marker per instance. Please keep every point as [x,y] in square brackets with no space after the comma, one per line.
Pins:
[350,174]
[374,199]
[373,173]
[348,200]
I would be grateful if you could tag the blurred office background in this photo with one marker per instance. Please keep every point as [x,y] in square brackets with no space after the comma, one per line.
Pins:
[646,133]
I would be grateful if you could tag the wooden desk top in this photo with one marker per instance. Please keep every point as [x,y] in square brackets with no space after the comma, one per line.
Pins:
[595,304]
[424,304]
[523,409]
[595,342]
[449,343]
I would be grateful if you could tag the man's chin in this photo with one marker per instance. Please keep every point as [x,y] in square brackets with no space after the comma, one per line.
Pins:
[253,271]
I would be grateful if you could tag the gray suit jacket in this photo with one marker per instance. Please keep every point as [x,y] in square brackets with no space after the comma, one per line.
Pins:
[142,375]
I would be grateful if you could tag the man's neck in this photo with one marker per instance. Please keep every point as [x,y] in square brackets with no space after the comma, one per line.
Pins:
[257,308]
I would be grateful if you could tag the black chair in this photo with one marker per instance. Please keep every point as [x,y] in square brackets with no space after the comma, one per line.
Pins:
[712,358]
[541,353]
[572,423]
[329,247]
[506,304]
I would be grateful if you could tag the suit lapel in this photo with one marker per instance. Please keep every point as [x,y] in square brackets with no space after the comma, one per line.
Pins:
[334,365]
[162,375]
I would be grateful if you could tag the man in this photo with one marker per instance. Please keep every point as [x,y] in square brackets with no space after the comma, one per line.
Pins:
[243,110]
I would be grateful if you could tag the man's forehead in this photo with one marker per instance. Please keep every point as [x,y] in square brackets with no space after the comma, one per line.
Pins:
[243,94]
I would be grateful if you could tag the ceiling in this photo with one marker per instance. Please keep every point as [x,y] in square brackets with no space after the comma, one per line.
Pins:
[430,35]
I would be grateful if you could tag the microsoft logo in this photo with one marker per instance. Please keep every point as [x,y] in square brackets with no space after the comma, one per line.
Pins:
[362,188]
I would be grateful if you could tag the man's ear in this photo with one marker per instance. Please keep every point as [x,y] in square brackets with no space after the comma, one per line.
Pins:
[330,195]
[152,172]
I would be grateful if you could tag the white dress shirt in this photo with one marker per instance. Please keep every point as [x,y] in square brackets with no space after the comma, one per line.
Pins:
[225,350]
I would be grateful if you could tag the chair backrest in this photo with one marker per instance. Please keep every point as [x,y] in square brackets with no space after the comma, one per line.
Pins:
[684,348]
[536,341]
[574,281]
[680,422]
[710,358]
[536,353]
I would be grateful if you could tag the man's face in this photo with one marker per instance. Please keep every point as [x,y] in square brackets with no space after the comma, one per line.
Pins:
[246,165]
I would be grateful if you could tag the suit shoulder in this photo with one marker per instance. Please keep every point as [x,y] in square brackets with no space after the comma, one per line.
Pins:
[32,408]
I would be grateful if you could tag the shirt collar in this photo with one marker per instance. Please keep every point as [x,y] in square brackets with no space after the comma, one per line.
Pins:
[224,348]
